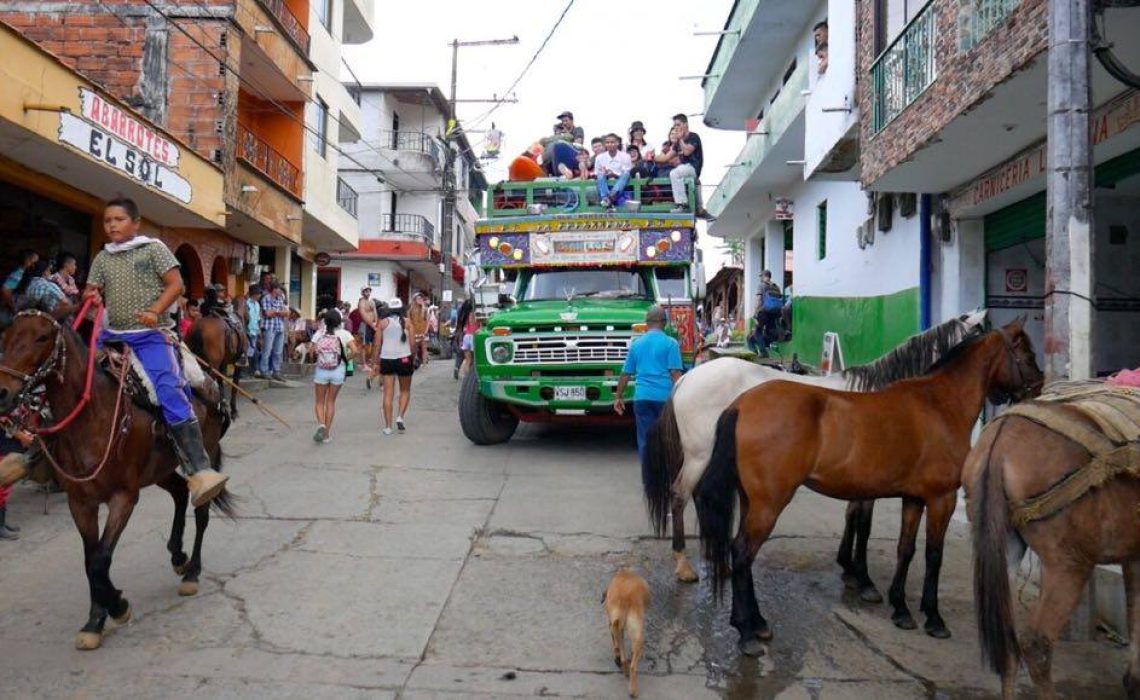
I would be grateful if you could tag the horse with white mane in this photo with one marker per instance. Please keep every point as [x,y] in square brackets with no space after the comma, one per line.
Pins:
[680,444]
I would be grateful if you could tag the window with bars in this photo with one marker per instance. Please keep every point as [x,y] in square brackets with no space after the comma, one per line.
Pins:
[322,126]
[977,18]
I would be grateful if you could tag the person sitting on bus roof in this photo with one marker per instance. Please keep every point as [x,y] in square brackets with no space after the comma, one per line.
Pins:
[566,121]
[614,163]
[597,147]
[637,138]
[639,169]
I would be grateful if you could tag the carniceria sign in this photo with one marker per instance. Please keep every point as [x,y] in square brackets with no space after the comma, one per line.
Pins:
[119,140]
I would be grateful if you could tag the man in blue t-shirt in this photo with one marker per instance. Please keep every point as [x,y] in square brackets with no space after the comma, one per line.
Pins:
[655,359]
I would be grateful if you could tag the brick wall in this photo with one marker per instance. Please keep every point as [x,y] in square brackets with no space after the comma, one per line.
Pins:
[143,59]
[965,78]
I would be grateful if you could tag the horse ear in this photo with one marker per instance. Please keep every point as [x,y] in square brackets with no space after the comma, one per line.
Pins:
[975,318]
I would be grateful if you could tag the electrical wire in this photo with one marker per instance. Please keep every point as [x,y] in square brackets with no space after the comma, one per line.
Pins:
[479,119]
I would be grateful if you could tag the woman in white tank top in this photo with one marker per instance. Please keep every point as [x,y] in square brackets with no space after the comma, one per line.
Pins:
[395,363]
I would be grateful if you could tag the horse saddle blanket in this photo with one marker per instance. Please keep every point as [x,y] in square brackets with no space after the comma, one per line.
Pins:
[1072,409]
[141,389]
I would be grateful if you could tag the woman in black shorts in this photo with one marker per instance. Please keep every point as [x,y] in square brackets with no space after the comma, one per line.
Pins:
[395,352]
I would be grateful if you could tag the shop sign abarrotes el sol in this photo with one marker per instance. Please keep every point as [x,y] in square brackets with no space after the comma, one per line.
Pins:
[121,141]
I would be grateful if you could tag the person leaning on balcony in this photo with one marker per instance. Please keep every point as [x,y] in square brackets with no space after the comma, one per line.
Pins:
[615,163]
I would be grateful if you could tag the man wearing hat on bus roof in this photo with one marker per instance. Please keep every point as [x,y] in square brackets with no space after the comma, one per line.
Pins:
[576,133]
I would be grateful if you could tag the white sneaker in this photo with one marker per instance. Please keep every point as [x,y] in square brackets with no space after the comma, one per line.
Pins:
[387,431]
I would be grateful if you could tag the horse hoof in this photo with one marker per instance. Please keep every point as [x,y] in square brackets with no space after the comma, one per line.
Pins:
[188,588]
[938,631]
[685,573]
[87,641]
[751,647]
[870,594]
[125,617]
[903,620]
[851,581]
[180,569]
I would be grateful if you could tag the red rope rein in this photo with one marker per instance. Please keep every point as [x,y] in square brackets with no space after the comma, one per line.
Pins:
[86,398]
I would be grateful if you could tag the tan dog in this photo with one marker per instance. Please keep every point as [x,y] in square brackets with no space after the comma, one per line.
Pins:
[625,600]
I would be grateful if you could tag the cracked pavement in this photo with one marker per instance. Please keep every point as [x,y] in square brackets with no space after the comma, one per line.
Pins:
[420,566]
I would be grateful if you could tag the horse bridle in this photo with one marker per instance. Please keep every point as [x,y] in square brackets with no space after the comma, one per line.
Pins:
[1016,363]
[55,364]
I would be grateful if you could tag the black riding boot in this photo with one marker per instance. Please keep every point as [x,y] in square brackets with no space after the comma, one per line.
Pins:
[204,482]
[7,532]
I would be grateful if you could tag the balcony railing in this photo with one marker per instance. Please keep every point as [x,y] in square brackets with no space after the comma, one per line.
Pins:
[407,141]
[289,22]
[346,196]
[411,225]
[901,73]
[976,18]
[268,161]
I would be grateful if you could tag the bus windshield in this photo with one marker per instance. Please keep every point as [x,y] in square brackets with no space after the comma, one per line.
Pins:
[609,283]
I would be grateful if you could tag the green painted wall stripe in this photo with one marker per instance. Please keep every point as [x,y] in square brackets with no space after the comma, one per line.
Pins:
[867,326]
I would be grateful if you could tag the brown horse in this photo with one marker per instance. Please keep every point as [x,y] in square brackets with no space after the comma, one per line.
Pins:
[907,441]
[213,339]
[1015,459]
[108,452]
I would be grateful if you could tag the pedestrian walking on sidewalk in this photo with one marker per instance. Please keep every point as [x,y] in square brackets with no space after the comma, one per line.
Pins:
[396,364]
[655,359]
[331,346]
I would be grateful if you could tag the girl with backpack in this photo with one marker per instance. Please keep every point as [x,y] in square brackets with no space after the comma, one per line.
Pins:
[395,362]
[332,346]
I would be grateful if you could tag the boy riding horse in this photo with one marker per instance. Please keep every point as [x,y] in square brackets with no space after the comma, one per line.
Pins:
[139,281]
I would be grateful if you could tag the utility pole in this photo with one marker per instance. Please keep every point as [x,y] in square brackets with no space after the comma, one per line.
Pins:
[1068,237]
[447,223]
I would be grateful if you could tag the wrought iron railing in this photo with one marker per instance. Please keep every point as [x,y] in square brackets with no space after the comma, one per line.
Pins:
[346,196]
[289,22]
[412,225]
[268,161]
[407,141]
[907,67]
[976,18]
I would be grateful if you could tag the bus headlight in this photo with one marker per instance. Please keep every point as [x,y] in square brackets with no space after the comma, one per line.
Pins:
[501,353]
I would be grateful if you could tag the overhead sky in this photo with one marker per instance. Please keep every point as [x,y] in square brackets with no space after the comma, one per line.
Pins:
[610,62]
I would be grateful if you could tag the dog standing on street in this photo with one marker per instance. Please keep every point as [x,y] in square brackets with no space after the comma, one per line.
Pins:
[625,600]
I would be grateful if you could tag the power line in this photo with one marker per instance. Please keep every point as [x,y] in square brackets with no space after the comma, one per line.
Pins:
[489,112]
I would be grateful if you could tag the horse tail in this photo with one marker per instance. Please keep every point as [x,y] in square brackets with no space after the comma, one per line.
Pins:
[994,607]
[663,458]
[715,497]
[224,502]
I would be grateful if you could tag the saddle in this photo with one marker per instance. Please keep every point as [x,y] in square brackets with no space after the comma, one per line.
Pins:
[138,385]
[1113,445]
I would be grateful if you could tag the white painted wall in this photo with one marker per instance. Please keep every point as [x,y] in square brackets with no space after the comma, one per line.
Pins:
[886,266]
[957,279]
[835,88]
[320,171]
[354,276]
[1117,333]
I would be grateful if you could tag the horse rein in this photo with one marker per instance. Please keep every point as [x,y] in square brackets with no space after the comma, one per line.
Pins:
[1017,363]
[56,364]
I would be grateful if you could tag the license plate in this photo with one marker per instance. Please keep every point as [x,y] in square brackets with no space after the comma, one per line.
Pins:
[569,393]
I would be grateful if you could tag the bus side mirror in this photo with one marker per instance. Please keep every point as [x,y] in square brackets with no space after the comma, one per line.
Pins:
[698,276]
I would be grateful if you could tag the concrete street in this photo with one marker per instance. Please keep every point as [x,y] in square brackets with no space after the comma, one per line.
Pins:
[421,566]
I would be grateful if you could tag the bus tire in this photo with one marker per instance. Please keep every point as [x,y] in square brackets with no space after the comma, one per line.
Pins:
[483,422]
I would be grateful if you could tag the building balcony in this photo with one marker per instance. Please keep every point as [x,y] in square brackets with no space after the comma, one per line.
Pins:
[742,69]
[357,25]
[255,152]
[289,23]
[767,162]
[346,197]
[905,69]
[410,227]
